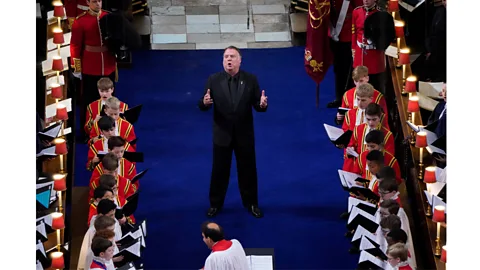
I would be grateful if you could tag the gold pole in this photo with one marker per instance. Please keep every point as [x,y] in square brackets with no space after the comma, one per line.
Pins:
[59,244]
[61,164]
[60,202]
[398,52]
[438,250]
[420,164]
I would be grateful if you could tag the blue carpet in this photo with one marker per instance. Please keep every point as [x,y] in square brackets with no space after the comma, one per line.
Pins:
[299,190]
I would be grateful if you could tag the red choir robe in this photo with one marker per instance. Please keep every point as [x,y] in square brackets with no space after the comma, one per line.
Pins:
[126,169]
[124,130]
[348,100]
[125,187]
[390,161]
[349,123]
[92,211]
[101,146]
[94,109]
[357,142]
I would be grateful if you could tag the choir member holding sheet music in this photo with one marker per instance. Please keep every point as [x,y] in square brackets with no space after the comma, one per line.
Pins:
[375,141]
[125,168]
[354,117]
[398,257]
[350,101]
[122,127]
[357,143]
[226,254]
[94,109]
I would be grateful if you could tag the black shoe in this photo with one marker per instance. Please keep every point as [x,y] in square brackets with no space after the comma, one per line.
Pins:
[334,104]
[255,211]
[344,215]
[212,211]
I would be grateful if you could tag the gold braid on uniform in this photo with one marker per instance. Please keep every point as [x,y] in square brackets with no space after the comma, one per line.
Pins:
[318,7]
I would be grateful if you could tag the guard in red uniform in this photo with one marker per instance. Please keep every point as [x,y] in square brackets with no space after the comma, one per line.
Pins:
[74,8]
[364,51]
[90,57]
[340,40]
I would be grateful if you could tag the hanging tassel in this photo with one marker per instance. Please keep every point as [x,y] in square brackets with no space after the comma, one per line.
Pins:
[318,95]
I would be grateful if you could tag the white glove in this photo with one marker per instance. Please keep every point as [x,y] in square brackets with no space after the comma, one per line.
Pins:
[77,75]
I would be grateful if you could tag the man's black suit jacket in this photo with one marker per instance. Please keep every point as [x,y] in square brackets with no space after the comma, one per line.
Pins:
[441,128]
[233,121]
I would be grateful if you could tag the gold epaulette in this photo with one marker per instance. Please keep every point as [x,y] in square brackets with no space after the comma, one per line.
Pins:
[81,15]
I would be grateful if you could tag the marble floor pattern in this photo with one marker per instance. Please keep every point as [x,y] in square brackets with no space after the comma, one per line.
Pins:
[216,24]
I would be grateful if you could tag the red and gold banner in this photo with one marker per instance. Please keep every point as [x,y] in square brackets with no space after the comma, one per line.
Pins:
[318,57]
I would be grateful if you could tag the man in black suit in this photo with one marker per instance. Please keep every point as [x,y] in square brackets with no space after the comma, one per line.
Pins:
[439,114]
[233,93]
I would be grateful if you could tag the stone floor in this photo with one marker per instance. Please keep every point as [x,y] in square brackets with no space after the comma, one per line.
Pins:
[216,24]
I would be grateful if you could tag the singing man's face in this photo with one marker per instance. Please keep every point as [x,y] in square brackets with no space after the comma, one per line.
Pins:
[105,93]
[368,3]
[231,60]
[95,5]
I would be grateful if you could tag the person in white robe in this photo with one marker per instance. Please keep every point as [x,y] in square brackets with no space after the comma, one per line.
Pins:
[103,253]
[85,257]
[226,254]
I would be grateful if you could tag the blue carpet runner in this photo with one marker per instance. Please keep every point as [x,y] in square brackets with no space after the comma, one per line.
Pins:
[299,190]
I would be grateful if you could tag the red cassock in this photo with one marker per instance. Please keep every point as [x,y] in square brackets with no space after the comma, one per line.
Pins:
[351,119]
[92,211]
[94,109]
[390,161]
[88,53]
[99,146]
[74,8]
[348,100]
[125,187]
[345,34]
[365,52]
[127,170]
[124,129]
[357,142]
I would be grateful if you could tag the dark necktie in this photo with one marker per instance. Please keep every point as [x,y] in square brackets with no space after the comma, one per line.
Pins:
[233,88]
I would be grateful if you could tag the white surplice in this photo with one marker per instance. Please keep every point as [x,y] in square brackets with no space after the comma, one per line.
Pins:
[227,255]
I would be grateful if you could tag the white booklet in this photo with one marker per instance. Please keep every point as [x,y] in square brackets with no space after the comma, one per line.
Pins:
[260,262]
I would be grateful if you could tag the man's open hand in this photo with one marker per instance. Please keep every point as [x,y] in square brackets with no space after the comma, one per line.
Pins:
[263,100]
[207,100]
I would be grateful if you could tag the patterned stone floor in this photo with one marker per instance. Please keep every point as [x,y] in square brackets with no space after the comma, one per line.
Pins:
[215,24]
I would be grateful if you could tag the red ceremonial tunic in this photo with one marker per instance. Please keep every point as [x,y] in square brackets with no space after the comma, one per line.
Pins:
[390,161]
[351,119]
[357,142]
[348,100]
[126,169]
[124,129]
[94,109]
[99,146]
[88,53]
[125,187]
[92,211]
[345,34]
[367,56]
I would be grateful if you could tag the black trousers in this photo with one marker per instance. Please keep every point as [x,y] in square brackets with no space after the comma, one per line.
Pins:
[342,67]
[89,93]
[246,169]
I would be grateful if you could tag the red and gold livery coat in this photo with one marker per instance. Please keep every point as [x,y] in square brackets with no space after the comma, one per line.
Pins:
[124,129]
[88,53]
[94,109]
[99,146]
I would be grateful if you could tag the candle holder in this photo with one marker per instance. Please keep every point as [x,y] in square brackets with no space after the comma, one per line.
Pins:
[410,86]
[393,7]
[399,25]
[438,217]
[420,143]
[404,60]
[429,178]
